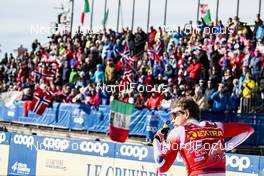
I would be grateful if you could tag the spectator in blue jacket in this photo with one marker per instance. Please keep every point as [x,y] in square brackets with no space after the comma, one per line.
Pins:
[235,97]
[157,69]
[99,74]
[220,99]
[260,32]
[255,65]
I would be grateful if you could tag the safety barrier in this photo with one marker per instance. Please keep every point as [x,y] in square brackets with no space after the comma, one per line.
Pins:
[43,155]
[144,122]
[250,104]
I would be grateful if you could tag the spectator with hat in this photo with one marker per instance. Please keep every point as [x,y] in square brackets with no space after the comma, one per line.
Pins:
[154,101]
[99,74]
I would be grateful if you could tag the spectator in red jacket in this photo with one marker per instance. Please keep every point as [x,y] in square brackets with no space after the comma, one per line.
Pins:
[154,101]
[194,70]
[94,98]
[151,36]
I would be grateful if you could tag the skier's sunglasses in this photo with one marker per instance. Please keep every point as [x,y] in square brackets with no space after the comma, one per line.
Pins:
[174,114]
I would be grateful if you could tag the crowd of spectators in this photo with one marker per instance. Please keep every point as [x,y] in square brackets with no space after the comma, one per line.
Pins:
[215,65]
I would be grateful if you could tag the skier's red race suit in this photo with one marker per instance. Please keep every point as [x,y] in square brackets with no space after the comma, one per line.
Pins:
[201,145]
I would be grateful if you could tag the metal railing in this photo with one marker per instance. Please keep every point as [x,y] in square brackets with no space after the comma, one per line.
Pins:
[251,104]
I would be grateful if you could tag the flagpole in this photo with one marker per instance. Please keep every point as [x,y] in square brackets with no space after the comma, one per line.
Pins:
[72,9]
[237,12]
[118,15]
[217,9]
[133,15]
[198,10]
[149,1]
[259,7]
[91,24]
[105,5]
[165,12]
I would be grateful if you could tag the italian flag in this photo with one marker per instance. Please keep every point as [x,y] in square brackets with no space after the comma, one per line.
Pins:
[120,116]
[85,10]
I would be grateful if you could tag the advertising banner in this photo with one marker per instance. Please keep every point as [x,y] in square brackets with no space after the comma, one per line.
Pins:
[4,152]
[22,158]
[143,122]
[93,158]
[43,155]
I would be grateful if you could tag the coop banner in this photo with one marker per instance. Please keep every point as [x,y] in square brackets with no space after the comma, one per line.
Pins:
[4,152]
[36,155]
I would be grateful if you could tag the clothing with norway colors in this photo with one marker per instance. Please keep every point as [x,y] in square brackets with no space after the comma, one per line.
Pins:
[201,145]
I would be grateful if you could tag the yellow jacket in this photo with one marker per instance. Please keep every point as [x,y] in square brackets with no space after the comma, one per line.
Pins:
[110,73]
[248,88]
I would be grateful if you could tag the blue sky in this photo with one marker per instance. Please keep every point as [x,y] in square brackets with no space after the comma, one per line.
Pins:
[17,17]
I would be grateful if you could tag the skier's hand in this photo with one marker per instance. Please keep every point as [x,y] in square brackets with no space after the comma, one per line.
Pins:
[162,134]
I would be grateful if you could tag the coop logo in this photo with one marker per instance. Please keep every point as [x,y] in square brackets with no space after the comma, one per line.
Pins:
[78,116]
[55,144]
[240,163]
[78,120]
[96,147]
[28,141]
[20,168]
[11,113]
[134,151]
[2,137]
[152,129]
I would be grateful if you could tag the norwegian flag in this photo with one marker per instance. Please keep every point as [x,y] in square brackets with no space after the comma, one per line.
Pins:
[127,78]
[152,54]
[36,73]
[45,74]
[180,68]
[41,100]
[160,46]
[48,75]
[126,56]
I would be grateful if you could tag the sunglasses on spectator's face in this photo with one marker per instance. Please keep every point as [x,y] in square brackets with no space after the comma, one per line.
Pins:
[175,114]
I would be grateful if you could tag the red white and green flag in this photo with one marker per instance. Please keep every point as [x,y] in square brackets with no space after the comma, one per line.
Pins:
[206,15]
[120,116]
[85,10]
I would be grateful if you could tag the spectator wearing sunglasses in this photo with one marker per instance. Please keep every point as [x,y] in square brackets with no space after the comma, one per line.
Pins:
[201,144]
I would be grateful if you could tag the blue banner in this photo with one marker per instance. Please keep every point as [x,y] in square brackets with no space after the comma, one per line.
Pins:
[4,138]
[144,122]
[22,155]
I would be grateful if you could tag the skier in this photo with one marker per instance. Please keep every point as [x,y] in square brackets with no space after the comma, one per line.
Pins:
[200,144]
